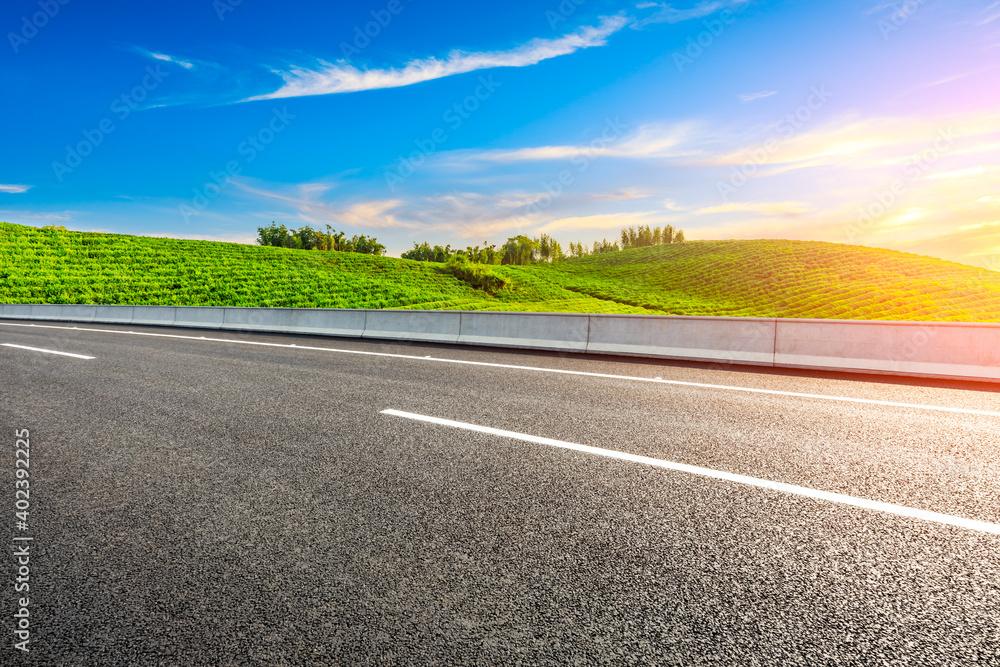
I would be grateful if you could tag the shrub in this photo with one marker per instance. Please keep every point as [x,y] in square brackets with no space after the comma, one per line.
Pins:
[478,275]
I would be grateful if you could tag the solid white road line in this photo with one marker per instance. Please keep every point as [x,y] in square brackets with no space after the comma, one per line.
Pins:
[38,349]
[680,383]
[842,499]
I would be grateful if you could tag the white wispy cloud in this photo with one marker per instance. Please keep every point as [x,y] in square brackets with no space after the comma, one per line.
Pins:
[13,189]
[750,97]
[623,194]
[186,64]
[667,13]
[341,77]
[784,208]
[992,17]
[652,140]
[847,141]
[31,218]
[472,216]
[466,217]
[988,19]
[873,142]
[170,59]
[961,173]
[881,7]
[608,221]
[957,77]
[306,202]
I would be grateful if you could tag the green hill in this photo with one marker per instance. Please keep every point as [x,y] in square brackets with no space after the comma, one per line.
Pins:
[739,278]
[770,278]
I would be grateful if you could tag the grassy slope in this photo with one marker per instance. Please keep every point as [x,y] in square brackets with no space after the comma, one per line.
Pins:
[786,279]
[746,278]
[42,266]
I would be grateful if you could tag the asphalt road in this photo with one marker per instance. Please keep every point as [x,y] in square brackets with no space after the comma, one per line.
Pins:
[219,502]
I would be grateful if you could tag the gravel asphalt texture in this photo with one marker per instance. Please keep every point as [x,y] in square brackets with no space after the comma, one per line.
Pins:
[214,503]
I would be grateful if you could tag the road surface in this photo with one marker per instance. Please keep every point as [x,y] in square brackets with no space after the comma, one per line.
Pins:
[201,497]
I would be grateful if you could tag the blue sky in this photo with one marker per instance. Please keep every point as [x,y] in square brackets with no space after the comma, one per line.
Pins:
[455,122]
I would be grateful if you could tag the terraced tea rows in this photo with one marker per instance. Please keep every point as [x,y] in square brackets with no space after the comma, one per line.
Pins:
[737,278]
[785,279]
[49,266]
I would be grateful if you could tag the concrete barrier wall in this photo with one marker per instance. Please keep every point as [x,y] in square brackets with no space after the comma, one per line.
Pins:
[539,331]
[49,313]
[257,319]
[724,339]
[21,311]
[327,322]
[945,349]
[199,317]
[929,349]
[435,326]
[163,316]
[80,313]
[113,314]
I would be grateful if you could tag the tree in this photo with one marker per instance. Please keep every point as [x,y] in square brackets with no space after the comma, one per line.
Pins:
[548,249]
[519,250]
[556,251]
[644,237]
[307,238]
[442,254]
[367,246]
[272,235]
[604,246]
[420,253]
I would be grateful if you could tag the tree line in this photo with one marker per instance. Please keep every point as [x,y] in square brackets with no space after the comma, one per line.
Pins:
[520,250]
[307,238]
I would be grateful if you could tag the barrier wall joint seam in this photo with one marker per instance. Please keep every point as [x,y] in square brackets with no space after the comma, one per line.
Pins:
[774,347]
